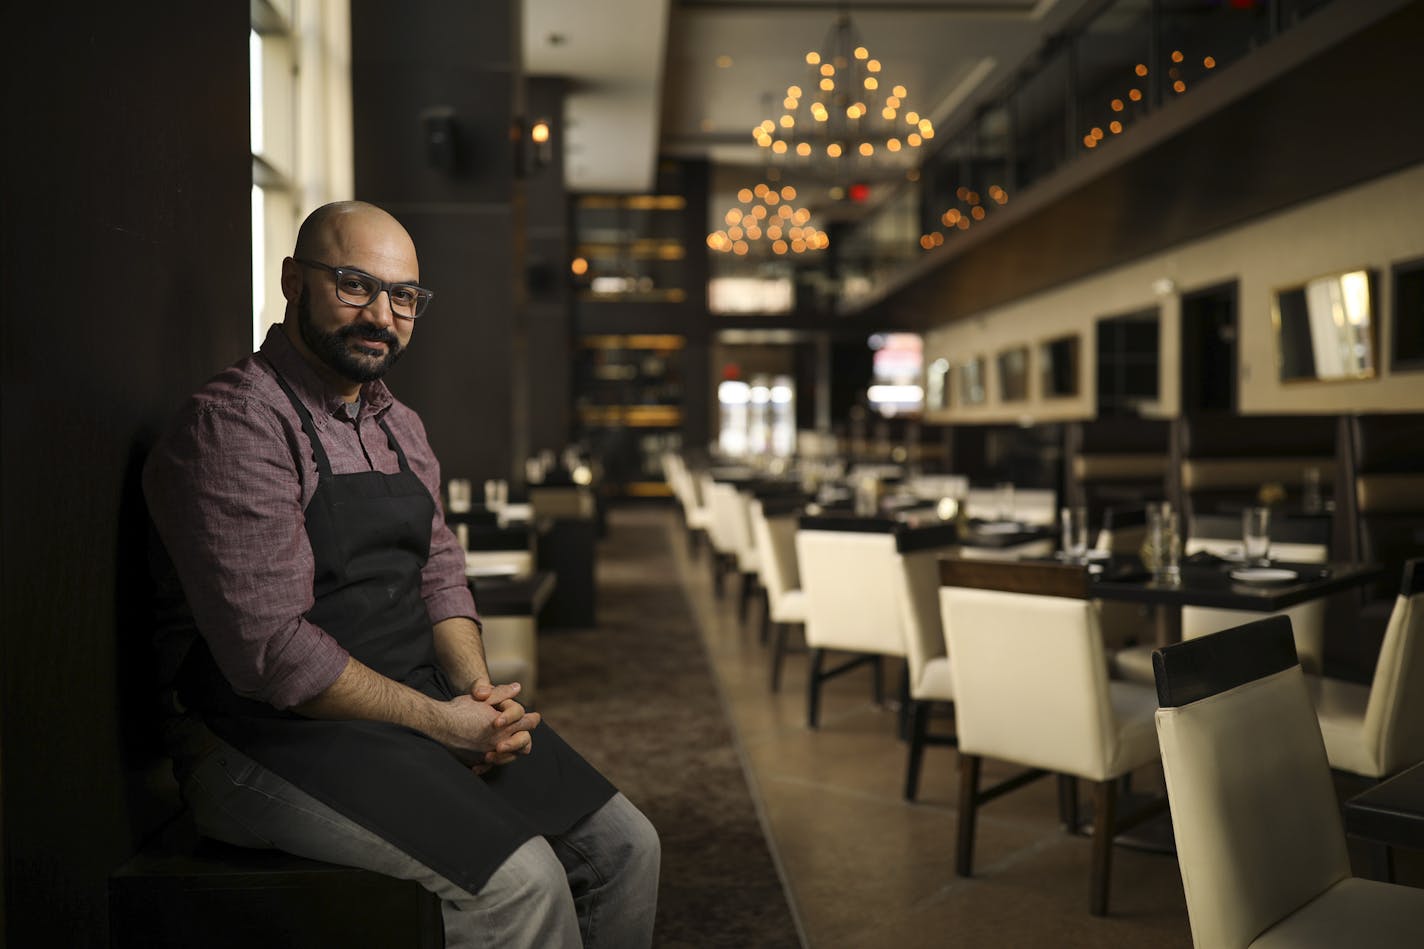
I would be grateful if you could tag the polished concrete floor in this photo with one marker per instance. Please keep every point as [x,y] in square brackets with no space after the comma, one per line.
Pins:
[863,868]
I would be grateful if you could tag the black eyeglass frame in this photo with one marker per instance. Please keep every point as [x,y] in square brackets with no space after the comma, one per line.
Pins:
[423,296]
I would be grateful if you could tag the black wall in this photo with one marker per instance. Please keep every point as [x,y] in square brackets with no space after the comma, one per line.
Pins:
[466,217]
[127,283]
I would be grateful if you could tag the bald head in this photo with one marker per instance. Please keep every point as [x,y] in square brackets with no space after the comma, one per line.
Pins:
[324,229]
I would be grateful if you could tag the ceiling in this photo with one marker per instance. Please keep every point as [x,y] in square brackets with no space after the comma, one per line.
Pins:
[691,78]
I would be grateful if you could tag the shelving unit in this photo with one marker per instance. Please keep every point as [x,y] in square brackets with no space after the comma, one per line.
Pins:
[629,406]
[633,246]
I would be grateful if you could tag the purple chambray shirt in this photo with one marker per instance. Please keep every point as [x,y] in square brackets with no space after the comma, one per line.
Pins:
[228,497]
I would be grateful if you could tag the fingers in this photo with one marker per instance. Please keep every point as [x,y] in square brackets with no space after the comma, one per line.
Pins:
[484,691]
[509,713]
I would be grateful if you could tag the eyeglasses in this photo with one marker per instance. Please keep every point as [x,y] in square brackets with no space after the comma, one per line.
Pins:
[358,288]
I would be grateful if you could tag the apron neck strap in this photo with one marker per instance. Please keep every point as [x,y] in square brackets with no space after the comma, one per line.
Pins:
[323,466]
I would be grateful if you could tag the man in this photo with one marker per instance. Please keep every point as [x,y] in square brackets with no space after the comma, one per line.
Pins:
[337,702]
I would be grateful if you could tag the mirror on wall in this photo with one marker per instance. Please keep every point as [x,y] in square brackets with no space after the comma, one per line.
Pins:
[937,385]
[1058,367]
[1325,328]
[1013,374]
[1407,353]
[971,374]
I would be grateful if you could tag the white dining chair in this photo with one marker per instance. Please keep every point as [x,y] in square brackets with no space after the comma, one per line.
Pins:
[848,578]
[720,538]
[926,656]
[1031,687]
[695,515]
[732,530]
[781,579]
[1377,729]
[1259,839]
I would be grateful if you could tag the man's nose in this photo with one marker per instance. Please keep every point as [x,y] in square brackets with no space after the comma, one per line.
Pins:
[379,309]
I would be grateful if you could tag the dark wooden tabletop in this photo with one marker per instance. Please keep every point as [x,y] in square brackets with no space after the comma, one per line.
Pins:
[1211,585]
[512,596]
[1391,812]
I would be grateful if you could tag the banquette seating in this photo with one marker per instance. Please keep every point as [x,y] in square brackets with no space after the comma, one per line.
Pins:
[1225,461]
[1116,463]
[1246,774]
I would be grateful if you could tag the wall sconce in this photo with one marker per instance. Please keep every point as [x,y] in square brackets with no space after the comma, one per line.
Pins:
[442,148]
[541,151]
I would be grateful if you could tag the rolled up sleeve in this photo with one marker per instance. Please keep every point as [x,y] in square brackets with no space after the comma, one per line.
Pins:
[227,500]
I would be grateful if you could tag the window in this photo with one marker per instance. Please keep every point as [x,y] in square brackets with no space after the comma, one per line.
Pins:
[300,108]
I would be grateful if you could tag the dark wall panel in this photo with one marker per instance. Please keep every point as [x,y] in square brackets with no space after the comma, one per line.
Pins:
[126,256]
[410,61]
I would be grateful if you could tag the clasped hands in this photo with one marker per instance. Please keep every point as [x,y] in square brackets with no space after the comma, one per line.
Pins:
[493,728]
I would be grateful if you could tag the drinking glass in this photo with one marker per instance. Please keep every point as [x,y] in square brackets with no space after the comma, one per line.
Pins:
[1256,534]
[1004,500]
[458,495]
[496,494]
[1075,532]
[1310,495]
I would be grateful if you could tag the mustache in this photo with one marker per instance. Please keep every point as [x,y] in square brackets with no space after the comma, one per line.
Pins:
[375,334]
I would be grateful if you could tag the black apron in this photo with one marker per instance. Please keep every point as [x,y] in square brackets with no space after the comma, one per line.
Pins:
[370,537]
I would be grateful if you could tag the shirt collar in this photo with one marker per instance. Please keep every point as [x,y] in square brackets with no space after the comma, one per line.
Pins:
[375,396]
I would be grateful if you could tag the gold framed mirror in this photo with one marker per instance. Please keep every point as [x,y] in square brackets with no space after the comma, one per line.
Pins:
[1325,327]
[1012,364]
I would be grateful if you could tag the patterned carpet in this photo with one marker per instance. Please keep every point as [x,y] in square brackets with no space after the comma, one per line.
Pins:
[636,697]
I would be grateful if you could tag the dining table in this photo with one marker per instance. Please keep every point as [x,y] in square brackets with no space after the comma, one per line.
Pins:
[1224,584]
[1390,814]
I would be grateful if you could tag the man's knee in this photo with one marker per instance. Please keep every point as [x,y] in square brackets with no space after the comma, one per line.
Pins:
[532,873]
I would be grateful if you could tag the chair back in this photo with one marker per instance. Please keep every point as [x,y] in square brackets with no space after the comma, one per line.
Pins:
[1295,540]
[1394,715]
[1253,805]
[1123,531]
[848,579]
[1027,651]
[776,549]
[721,506]
[917,588]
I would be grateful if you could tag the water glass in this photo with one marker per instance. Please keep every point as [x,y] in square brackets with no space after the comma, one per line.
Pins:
[1256,534]
[496,494]
[1074,521]
[1004,500]
[1310,495]
[457,491]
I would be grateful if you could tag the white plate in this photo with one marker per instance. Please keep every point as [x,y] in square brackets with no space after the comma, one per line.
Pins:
[1263,575]
[1000,527]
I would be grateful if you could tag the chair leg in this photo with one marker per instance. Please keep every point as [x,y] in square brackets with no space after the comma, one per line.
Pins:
[1068,802]
[1104,824]
[905,701]
[744,595]
[778,650]
[919,724]
[765,616]
[716,561]
[968,802]
[813,688]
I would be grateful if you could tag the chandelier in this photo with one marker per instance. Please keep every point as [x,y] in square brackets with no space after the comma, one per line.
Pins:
[766,214]
[845,117]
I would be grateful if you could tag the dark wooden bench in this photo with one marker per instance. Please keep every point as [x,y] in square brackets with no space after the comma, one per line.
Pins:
[183,891]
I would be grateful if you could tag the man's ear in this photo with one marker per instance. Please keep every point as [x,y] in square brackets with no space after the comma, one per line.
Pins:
[292,279]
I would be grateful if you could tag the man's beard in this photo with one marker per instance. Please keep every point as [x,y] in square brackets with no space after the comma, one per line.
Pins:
[334,348]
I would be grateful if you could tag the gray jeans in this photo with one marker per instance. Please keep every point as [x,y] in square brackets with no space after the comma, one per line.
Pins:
[593,886]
